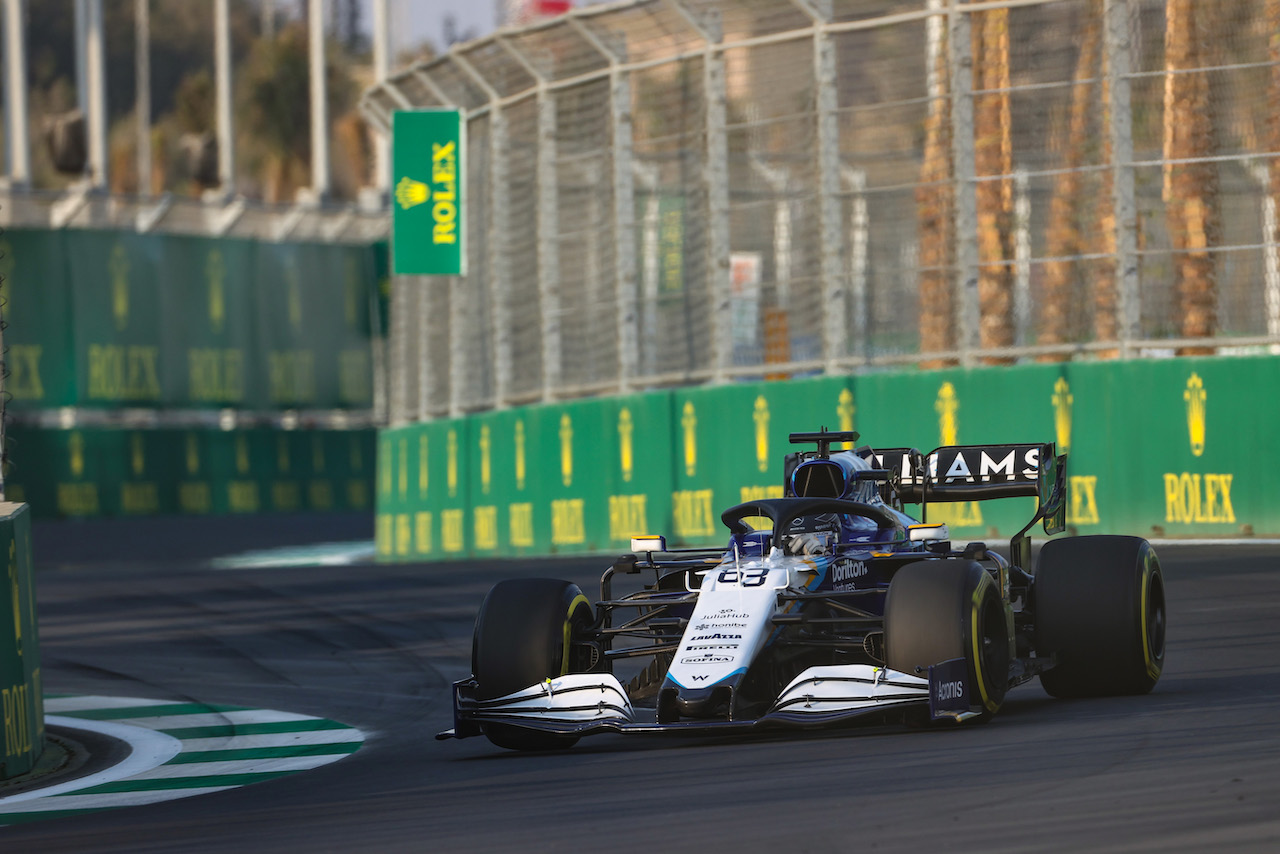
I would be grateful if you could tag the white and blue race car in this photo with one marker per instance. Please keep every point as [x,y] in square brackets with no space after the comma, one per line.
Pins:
[845,608]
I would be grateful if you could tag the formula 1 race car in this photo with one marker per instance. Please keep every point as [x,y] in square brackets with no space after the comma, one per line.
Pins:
[845,609]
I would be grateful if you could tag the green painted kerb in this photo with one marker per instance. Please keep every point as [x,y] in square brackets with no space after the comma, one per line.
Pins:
[21,701]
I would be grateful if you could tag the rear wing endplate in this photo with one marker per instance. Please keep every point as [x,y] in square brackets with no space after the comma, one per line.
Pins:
[981,472]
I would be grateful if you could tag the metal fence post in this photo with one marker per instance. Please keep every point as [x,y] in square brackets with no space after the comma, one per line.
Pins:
[497,233]
[968,311]
[859,241]
[1117,45]
[833,286]
[15,54]
[716,183]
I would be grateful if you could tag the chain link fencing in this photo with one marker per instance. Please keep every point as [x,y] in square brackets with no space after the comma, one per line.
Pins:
[667,192]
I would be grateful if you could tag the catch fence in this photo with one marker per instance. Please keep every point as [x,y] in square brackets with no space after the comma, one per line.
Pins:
[668,192]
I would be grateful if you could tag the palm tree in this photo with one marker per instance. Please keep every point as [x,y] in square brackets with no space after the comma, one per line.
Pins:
[935,209]
[993,156]
[1190,188]
[1064,238]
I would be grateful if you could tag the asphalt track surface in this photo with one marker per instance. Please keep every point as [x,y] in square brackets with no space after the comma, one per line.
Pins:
[1194,766]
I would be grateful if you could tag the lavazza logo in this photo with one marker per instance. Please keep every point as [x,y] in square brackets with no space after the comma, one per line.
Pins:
[716,636]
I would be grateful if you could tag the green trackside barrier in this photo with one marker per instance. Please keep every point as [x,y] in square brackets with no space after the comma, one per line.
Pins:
[21,695]
[88,472]
[1176,447]
[107,319]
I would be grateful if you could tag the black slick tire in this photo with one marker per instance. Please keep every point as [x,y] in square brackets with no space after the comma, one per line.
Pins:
[1100,609]
[939,610]
[523,636]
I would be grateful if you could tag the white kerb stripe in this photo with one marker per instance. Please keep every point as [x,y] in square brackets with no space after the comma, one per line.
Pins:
[272,739]
[148,749]
[279,765]
[203,719]
[60,705]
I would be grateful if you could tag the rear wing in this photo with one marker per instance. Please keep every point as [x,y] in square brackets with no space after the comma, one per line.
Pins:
[981,472]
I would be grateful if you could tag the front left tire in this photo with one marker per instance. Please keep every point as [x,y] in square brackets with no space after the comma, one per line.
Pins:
[524,635]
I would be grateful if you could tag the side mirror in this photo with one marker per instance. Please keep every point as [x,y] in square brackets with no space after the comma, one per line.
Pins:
[929,533]
[648,545]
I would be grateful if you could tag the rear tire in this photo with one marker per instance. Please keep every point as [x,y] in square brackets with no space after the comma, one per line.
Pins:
[522,637]
[938,610]
[1100,607]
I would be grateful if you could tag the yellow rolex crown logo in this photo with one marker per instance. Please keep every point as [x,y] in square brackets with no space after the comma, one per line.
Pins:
[410,193]
[1195,396]
[946,406]
[1062,400]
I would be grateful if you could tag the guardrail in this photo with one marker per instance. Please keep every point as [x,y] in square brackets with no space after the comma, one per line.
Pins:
[1156,447]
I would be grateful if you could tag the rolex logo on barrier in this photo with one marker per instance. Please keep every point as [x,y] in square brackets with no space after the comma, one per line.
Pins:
[486,445]
[216,271]
[1195,396]
[1062,400]
[761,417]
[520,455]
[411,193]
[689,424]
[566,449]
[626,450]
[118,267]
[845,410]
[946,407]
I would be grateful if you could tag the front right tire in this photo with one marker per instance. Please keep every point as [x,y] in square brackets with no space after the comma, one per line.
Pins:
[1100,609]
[939,610]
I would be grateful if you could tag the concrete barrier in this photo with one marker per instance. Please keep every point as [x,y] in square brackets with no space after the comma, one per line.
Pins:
[1157,447]
[21,699]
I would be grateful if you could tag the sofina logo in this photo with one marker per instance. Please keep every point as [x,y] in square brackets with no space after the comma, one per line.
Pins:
[1195,396]
[118,267]
[946,406]
[485,470]
[566,449]
[761,417]
[1062,400]
[216,272]
[689,423]
[411,193]
[626,451]
[520,459]
[451,463]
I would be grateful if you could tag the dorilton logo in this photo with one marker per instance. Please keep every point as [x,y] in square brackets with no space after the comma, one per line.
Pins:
[1062,400]
[1195,396]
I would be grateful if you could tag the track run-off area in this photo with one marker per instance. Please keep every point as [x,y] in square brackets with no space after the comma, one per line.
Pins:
[164,621]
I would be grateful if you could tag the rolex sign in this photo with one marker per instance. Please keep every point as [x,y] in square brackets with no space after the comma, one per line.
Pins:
[426,211]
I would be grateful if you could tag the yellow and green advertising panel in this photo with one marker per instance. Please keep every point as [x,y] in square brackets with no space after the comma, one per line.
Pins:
[1174,447]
